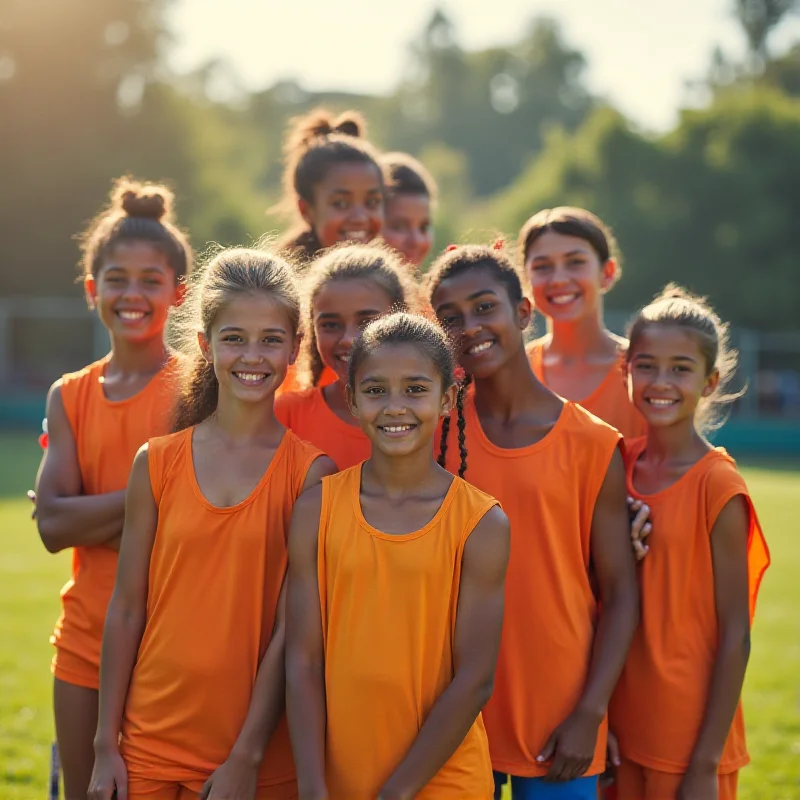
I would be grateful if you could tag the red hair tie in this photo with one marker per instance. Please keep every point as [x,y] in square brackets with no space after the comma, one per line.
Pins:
[499,244]
[451,247]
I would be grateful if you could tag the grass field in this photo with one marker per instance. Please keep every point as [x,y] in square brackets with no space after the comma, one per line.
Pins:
[30,579]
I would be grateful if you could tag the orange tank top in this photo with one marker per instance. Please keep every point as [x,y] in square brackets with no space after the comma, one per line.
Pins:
[291,384]
[310,417]
[388,607]
[548,491]
[609,401]
[671,658]
[214,582]
[107,435]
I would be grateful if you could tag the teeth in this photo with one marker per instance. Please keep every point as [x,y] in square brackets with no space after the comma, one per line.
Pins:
[344,358]
[131,315]
[563,299]
[250,377]
[396,428]
[657,401]
[359,236]
[479,348]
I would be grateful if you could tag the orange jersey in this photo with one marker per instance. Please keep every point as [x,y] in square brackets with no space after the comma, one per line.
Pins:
[107,436]
[548,491]
[290,383]
[609,401]
[310,417]
[214,583]
[671,659]
[388,607]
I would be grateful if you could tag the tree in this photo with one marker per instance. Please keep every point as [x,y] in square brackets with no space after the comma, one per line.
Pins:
[758,19]
[710,205]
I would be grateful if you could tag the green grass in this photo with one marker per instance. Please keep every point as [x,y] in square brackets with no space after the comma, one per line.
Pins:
[30,580]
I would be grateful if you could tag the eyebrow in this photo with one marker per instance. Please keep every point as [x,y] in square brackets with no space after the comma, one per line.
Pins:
[117,268]
[409,378]
[234,328]
[579,252]
[672,358]
[364,312]
[473,296]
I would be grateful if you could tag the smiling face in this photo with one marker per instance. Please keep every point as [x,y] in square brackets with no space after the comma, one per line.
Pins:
[340,310]
[133,291]
[251,344]
[348,204]
[668,375]
[408,227]
[398,399]
[567,277]
[477,313]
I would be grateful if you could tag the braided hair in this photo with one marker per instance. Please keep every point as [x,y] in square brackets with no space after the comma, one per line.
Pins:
[431,340]
[461,424]
[455,261]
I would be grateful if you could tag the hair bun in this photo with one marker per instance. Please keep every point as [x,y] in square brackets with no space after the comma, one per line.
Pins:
[320,123]
[351,123]
[148,201]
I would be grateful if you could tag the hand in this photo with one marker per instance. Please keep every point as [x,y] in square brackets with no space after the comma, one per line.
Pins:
[32,498]
[236,779]
[613,760]
[640,527]
[699,784]
[571,747]
[109,776]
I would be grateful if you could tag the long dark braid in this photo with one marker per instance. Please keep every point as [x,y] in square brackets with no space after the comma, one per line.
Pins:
[461,424]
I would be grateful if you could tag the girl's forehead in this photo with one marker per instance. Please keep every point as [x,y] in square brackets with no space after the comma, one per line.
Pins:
[399,357]
[665,337]
[554,242]
[347,293]
[466,284]
[260,308]
[352,175]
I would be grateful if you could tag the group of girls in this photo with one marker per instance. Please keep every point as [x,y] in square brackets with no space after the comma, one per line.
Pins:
[341,534]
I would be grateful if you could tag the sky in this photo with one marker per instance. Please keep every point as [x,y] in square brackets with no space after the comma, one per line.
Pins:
[640,52]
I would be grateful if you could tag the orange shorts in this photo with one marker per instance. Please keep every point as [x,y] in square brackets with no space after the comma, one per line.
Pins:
[139,789]
[635,782]
[74,669]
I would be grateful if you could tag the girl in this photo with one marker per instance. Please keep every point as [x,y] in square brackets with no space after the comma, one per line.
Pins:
[410,196]
[707,556]
[345,290]
[570,258]
[134,257]
[192,667]
[395,599]
[333,181]
[558,472]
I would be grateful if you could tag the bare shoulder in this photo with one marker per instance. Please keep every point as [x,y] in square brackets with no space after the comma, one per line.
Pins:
[487,548]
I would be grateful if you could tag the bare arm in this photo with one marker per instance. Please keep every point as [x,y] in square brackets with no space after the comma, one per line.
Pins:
[122,635]
[573,743]
[479,624]
[127,609]
[65,517]
[305,656]
[731,594]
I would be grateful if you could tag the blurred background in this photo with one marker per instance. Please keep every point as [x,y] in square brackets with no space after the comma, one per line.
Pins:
[677,122]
